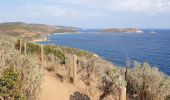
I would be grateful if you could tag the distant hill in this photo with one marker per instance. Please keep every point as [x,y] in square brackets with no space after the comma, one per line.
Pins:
[122,30]
[25,30]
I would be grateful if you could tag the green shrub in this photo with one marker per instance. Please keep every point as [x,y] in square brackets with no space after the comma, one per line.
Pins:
[52,62]
[11,85]
[147,83]
[28,65]
[78,52]
[111,82]
[55,51]
[33,48]
[59,52]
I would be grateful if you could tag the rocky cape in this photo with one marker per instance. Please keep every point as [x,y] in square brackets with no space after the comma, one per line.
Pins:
[122,30]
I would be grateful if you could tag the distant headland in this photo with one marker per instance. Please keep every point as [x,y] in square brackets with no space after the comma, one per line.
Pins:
[122,30]
[31,31]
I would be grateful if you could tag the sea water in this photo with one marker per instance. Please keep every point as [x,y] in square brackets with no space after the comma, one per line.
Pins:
[151,47]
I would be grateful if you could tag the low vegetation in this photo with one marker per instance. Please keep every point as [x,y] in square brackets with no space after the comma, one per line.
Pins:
[112,82]
[78,52]
[11,84]
[57,51]
[21,74]
[147,83]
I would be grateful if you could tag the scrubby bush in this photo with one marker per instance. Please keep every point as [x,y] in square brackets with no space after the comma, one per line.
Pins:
[58,51]
[33,48]
[55,51]
[78,52]
[52,62]
[26,65]
[101,78]
[147,83]
[111,83]
[11,85]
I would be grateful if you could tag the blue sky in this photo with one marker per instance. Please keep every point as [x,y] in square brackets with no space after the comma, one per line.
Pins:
[89,13]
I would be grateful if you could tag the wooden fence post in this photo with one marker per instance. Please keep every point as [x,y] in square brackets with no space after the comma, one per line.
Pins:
[20,45]
[74,69]
[122,95]
[25,47]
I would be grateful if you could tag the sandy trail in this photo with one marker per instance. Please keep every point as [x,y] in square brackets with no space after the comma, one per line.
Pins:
[53,89]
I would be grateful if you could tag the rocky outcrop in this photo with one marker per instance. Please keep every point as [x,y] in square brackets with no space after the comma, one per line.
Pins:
[123,30]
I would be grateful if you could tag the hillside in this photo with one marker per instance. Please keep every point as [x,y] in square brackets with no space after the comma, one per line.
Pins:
[24,30]
[123,30]
[57,83]
[51,76]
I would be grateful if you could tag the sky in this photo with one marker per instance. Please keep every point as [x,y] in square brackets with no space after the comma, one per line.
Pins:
[88,13]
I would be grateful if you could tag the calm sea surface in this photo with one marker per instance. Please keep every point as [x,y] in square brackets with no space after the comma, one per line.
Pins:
[150,47]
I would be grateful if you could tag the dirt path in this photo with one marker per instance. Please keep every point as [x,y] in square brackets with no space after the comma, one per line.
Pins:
[53,89]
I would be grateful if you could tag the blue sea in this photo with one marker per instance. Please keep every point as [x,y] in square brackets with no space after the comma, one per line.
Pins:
[153,46]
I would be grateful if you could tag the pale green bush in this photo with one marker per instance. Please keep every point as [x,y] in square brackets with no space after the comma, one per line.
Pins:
[27,65]
[52,62]
[147,83]
[102,77]
[112,81]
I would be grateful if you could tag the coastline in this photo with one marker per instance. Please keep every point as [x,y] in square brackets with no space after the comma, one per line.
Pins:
[40,39]
[43,39]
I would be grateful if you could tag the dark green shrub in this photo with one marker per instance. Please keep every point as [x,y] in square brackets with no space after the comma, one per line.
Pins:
[78,52]
[59,52]
[11,85]
[33,48]
[56,51]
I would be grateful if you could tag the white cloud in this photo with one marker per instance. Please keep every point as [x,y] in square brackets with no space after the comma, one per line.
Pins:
[37,10]
[149,6]
[156,6]
[94,8]
[42,10]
